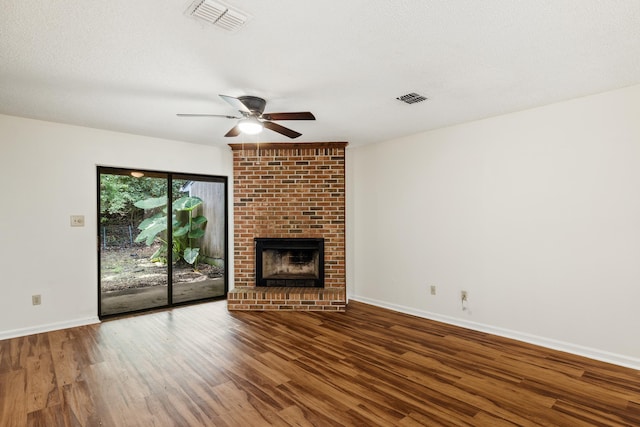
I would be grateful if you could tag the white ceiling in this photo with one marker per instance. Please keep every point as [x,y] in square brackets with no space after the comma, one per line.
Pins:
[130,66]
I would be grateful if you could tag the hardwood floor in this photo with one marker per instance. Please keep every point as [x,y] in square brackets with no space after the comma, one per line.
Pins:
[201,365]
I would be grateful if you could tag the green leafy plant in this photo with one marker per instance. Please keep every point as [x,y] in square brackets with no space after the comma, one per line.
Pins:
[187,228]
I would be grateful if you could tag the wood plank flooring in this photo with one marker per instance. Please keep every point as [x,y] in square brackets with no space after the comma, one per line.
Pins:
[204,366]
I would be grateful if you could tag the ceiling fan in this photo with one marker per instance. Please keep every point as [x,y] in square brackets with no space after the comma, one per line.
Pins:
[253,118]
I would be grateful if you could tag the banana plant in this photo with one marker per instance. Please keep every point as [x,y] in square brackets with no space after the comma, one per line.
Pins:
[186,228]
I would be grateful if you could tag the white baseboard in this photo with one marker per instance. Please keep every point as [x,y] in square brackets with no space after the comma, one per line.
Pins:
[47,328]
[604,356]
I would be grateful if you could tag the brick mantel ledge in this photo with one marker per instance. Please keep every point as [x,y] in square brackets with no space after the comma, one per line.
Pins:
[286,145]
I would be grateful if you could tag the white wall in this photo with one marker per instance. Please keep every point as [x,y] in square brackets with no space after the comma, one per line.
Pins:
[48,172]
[536,214]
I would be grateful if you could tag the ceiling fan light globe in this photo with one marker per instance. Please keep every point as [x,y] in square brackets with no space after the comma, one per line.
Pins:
[250,126]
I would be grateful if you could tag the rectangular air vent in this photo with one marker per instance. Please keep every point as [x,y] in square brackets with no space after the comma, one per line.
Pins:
[411,98]
[218,14]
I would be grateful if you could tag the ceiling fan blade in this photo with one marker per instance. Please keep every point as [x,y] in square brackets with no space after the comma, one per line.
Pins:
[234,131]
[207,115]
[235,103]
[301,115]
[281,129]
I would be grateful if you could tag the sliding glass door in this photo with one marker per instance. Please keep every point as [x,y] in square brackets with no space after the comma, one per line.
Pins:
[162,239]
[200,226]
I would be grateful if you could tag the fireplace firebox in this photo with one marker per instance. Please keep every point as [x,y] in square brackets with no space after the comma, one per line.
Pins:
[290,262]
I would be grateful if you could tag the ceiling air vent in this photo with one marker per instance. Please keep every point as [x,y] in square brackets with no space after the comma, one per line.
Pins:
[218,14]
[411,98]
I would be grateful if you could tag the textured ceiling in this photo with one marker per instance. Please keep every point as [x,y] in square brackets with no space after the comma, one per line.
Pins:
[130,66]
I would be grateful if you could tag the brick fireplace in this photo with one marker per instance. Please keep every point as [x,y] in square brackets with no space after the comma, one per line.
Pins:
[289,190]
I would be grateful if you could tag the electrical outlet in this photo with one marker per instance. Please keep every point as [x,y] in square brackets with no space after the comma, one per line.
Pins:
[36,299]
[464,296]
[433,289]
[77,220]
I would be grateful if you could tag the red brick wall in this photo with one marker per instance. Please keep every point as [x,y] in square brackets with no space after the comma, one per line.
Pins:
[289,190]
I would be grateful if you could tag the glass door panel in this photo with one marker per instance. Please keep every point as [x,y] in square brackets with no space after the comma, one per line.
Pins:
[199,233]
[133,269]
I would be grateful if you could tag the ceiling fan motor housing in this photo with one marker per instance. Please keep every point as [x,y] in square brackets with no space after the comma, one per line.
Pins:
[253,103]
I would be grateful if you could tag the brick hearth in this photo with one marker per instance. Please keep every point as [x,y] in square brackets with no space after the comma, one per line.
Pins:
[289,190]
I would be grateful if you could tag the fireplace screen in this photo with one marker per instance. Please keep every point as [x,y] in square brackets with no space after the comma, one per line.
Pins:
[290,262]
